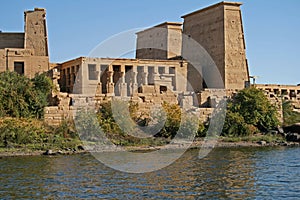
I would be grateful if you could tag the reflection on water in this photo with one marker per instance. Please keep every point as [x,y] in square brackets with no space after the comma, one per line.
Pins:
[241,173]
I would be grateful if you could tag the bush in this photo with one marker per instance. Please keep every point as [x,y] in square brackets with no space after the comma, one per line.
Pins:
[289,116]
[34,134]
[249,112]
[172,118]
[22,97]
[19,132]
[235,125]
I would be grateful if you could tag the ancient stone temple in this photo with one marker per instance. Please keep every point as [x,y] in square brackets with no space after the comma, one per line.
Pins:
[164,68]
[26,53]
[195,63]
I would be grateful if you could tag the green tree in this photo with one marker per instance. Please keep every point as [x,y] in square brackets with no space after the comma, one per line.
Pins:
[22,97]
[248,112]
[289,116]
[42,86]
[172,119]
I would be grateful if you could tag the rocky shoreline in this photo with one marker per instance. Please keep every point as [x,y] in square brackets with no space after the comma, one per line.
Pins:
[177,145]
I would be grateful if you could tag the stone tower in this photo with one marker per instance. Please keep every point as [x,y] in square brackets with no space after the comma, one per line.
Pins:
[219,29]
[160,42]
[36,32]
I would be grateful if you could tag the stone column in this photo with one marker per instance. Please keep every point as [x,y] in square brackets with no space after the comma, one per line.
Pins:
[156,79]
[123,85]
[145,76]
[134,86]
[156,74]
[99,89]
[110,83]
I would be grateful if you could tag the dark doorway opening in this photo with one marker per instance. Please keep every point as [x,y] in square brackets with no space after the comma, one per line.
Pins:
[163,89]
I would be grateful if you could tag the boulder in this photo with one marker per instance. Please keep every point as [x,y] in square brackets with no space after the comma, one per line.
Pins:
[293,137]
[295,128]
[48,152]
[263,143]
[80,148]
[60,152]
[280,130]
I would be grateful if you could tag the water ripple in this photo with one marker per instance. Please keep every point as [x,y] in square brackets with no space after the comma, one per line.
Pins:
[226,173]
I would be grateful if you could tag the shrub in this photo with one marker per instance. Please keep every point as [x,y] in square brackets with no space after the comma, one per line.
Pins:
[289,116]
[18,132]
[172,120]
[249,112]
[22,97]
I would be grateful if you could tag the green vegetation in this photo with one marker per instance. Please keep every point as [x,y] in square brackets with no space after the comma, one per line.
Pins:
[289,116]
[269,138]
[249,112]
[33,134]
[96,127]
[21,111]
[118,121]
[22,97]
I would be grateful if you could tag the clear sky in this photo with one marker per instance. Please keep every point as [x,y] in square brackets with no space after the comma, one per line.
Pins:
[75,27]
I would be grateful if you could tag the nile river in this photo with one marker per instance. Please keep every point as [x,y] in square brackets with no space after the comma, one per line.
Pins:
[226,173]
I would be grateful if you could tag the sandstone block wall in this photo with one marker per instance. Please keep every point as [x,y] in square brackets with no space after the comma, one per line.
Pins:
[284,92]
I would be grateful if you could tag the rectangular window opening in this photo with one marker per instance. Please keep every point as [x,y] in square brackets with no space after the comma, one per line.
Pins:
[19,67]
[161,70]
[92,72]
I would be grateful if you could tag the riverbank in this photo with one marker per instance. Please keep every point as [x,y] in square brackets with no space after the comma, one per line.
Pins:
[218,144]
[197,144]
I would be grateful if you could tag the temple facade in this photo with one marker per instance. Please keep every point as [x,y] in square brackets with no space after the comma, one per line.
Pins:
[122,77]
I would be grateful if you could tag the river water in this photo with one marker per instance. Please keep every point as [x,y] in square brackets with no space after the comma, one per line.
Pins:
[226,173]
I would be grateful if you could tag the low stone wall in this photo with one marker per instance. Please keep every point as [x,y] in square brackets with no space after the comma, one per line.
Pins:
[54,116]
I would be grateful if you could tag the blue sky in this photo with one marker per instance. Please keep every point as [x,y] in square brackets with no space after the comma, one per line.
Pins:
[75,27]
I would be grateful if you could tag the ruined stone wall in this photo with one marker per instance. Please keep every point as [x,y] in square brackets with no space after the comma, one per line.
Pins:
[54,116]
[287,92]
[11,40]
[284,92]
[60,111]
[211,97]
[67,105]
